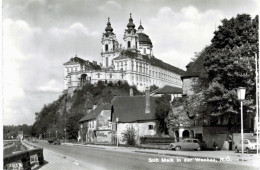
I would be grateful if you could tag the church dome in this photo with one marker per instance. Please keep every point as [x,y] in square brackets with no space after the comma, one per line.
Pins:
[144,39]
[131,24]
[109,28]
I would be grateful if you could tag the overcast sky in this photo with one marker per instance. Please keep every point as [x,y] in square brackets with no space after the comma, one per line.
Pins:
[40,35]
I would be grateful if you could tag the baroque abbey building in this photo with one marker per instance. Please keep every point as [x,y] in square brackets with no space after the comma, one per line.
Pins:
[133,62]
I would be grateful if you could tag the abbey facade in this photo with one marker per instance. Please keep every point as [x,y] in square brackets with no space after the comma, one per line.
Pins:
[133,62]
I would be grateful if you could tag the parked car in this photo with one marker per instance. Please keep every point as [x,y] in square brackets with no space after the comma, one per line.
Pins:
[35,140]
[249,145]
[188,144]
[54,141]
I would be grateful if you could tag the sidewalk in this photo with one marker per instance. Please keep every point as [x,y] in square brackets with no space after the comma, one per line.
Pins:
[221,155]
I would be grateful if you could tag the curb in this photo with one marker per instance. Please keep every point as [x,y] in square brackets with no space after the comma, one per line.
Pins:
[83,146]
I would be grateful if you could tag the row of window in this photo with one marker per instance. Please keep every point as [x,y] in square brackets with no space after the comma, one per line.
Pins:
[72,69]
[142,69]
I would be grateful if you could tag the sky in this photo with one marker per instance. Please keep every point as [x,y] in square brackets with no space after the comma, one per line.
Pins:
[40,35]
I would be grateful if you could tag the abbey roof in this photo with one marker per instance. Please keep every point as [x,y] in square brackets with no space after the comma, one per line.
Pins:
[152,60]
[89,65]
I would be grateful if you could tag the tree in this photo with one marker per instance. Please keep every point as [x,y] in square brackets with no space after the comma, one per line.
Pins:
[129,136]
[229,63]
[72,126]
[153,88]
[161,112]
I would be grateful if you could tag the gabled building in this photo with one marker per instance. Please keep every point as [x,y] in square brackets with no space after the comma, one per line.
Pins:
[95,126]
[133,111]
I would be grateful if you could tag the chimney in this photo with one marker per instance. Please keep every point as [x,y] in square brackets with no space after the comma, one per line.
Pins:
[131,92]
[147,100]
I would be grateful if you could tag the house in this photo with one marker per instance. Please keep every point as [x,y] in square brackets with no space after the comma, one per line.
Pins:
[168,90]
[95,127]
[133,111]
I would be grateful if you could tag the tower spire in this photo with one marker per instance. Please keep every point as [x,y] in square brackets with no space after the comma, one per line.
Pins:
[108,28]
[140,28]
[130,25]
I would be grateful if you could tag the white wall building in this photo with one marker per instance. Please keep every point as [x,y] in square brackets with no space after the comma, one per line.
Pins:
[134,63]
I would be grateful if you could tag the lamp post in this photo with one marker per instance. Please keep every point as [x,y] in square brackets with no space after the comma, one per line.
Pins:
[49,134]
[56,134]
[81,127]
[257,74]
[43,136]
[117,119]
[65,135]
[241,92]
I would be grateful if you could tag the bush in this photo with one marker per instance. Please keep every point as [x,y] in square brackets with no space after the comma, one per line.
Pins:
[129,136]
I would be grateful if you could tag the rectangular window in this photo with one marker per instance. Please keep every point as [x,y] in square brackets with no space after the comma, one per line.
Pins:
[150,127]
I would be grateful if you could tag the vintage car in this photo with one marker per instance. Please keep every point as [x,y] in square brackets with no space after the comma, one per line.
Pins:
[54,141]
[188,144]
[250,144]
[34,140]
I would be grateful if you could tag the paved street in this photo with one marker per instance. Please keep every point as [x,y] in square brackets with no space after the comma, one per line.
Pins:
[79,157]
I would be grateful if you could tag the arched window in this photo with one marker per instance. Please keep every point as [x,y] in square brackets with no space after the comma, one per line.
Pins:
[128,44]
[106,47]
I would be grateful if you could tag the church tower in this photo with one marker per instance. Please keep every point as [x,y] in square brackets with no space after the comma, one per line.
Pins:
[130,36]
[109,46]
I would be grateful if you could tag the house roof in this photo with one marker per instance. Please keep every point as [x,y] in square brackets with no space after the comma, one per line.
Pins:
[132,108]
[94,113]
[154,61]
[196,69]
[169,90]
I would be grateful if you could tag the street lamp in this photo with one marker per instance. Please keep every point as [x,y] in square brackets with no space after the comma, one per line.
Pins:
[117,119]
[241,92]
[81,127]
[65,135]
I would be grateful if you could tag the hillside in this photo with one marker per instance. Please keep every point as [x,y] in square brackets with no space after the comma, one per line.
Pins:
[66,111]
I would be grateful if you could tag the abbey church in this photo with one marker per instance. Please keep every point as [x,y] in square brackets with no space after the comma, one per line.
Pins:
[133,61]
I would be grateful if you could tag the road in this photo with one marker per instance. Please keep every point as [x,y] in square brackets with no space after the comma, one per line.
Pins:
[97,158]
